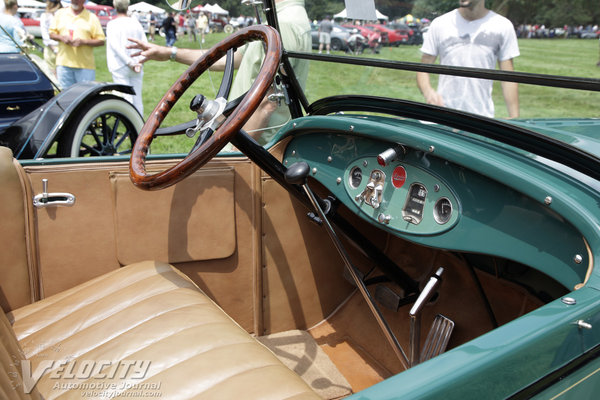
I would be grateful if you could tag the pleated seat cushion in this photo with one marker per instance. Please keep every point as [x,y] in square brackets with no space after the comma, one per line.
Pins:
[144,331]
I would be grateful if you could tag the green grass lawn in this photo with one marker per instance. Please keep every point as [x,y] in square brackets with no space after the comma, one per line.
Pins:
[573,57]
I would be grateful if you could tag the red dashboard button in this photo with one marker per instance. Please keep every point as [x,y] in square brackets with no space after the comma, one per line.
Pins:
[398,177]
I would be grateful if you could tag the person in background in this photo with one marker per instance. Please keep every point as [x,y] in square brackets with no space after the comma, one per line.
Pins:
[202,24]
[180,25]
[294,27]
[325,28]
[470,36]
[77,32]
[170,29]
[124,68]
[50,46]
[12,28]
[191,27]
[151,25]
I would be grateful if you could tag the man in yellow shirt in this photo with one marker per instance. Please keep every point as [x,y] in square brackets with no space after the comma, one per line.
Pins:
[78,31]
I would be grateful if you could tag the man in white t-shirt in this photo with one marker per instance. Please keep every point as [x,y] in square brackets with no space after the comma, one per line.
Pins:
[470,36]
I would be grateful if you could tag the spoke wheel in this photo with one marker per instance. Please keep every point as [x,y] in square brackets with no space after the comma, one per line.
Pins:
[107,126]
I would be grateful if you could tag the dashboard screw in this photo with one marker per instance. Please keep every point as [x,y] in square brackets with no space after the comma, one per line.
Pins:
[548,200]
[339,180]
[578,259]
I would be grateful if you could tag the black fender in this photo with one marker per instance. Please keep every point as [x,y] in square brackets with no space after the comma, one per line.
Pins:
[34,134]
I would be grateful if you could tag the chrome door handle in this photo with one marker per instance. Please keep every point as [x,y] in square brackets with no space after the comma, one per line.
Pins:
[46,199]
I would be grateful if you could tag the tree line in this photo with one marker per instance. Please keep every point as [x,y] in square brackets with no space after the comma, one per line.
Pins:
[552,13]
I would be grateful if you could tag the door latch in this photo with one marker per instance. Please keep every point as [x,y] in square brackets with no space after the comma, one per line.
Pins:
[46,199]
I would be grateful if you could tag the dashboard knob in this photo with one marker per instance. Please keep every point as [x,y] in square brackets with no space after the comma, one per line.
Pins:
[392,154]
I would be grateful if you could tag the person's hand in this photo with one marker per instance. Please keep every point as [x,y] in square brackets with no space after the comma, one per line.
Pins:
[434,98]
[149,51]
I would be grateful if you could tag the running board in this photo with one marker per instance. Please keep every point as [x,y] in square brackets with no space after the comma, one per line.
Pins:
[438,337]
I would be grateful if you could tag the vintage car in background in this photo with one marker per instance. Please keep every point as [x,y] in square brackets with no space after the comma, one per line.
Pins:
[31,20]
[37,120]
[375,247]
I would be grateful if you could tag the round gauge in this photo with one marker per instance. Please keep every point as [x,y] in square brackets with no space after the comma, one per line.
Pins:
[355,177]
[442,211]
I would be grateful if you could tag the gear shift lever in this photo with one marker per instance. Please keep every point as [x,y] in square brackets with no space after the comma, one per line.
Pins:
[297,174]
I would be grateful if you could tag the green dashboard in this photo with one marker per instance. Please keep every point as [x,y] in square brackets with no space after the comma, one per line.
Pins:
[428,192]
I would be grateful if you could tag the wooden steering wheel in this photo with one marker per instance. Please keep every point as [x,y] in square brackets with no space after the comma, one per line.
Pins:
[234,122]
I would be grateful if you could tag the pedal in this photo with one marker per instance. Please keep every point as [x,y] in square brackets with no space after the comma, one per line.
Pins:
[388,298]
[438,337]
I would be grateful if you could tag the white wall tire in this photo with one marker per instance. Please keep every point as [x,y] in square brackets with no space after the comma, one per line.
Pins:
[107,125]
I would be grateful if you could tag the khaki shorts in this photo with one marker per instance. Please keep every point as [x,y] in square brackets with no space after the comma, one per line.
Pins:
[324,37]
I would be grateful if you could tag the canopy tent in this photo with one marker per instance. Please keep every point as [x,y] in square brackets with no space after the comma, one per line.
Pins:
[144,7]
[198,9]
[344,14]
[30,3]
[215,9]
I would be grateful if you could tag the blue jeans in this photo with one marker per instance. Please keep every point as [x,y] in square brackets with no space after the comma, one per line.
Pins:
[170,37]
[68,76]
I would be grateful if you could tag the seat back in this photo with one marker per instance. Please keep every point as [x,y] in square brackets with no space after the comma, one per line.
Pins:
[11,372]
[16,271]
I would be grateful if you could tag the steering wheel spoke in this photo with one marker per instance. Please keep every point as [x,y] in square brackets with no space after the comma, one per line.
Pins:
[206,148]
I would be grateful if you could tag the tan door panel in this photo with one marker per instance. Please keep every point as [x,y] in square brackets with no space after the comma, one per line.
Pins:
[191,221]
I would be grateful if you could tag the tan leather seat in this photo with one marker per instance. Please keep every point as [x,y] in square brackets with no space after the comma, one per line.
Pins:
[157,334]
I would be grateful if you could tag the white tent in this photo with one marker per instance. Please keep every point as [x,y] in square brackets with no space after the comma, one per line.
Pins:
[144,7]
[215,9]
[344,14]
[30,3]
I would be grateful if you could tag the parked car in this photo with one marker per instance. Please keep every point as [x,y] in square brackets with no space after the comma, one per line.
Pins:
[373,38]
[31,19]
[38,121]
[339,37]
[219,23]
[394,37]
[589,34]
[400,249]
[413,31]
[104,13]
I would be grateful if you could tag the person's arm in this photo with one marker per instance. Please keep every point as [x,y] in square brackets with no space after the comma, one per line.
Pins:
[87,42]
[151,51]
[510,90]
[424,83]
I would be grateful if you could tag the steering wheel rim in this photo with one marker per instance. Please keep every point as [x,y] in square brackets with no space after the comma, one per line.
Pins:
[222,135]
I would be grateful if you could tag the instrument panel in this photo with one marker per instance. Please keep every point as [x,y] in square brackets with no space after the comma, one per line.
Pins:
[401,196]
